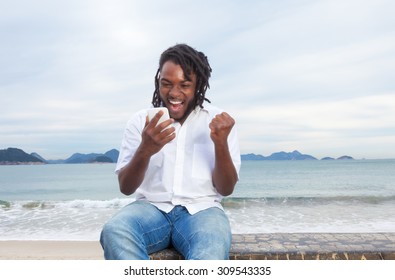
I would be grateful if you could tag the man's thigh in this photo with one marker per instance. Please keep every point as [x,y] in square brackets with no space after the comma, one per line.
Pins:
[204,235]
[146,223]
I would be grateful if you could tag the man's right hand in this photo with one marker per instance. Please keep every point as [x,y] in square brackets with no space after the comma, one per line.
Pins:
[155,135]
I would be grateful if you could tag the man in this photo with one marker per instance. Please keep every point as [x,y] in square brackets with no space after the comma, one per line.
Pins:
[179,169]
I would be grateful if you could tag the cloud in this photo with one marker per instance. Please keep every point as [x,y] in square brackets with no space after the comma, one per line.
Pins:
[321,126]
[309,75]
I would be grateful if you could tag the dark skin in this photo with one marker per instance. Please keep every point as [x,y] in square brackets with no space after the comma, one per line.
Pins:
[178,95]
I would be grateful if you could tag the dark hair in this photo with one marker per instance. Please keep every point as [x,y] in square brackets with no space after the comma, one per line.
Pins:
[191,61]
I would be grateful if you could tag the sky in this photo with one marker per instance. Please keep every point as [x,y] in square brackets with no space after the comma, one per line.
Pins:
[313,76]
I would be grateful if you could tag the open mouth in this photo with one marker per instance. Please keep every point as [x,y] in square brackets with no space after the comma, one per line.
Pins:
[176,105]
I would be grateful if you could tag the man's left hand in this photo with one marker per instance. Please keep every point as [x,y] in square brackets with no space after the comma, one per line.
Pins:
[220,127]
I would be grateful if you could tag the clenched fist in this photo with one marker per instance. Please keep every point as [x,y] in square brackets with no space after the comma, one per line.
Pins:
[220,128]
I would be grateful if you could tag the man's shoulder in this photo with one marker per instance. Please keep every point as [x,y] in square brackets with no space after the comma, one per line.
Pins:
[211,109]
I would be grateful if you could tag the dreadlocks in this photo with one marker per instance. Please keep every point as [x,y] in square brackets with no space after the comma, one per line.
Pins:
[191,61]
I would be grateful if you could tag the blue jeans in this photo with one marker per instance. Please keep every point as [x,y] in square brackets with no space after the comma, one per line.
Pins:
[140,229]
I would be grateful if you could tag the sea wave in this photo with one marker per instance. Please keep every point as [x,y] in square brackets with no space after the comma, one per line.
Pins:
[229,202]
[78,203]
[84,219]
[236,202]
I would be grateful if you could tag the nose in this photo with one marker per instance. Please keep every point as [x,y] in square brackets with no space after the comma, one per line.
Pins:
[175,91]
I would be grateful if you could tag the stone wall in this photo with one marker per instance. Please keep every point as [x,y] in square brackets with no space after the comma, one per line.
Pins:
[305,246]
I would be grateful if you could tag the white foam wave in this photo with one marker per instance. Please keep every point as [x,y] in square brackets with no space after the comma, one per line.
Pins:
[84,219]
[78,203]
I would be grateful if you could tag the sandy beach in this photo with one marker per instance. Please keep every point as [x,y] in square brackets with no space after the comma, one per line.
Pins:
[357,246]
[50,250]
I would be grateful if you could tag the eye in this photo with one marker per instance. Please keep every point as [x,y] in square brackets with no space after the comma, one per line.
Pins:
[165,84]
[186,86]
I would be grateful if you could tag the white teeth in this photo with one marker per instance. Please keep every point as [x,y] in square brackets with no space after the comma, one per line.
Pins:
[174,102]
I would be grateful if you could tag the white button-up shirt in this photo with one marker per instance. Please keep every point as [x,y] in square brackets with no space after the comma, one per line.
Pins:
[181,172]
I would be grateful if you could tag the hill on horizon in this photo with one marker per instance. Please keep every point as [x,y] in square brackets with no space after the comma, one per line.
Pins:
[295,155]
[110,156]
[18,156]
[13,156]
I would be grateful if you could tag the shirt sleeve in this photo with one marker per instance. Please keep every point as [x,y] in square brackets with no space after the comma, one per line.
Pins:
[234,149]
[131,139]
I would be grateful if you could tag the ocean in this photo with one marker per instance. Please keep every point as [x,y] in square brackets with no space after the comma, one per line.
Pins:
[73,201]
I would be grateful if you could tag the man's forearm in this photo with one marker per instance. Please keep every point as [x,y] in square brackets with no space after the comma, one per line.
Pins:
[224,174]
[132,175]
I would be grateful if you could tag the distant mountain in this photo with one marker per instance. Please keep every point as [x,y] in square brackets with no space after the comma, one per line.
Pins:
[82,158]
[295,155]
[17,156]
[102,159]
[327,158]
[345,158]
[38,156]
[112,154]
[109,156]
[252,157]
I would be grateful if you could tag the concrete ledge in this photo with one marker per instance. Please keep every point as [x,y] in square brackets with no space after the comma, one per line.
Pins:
[305,246]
